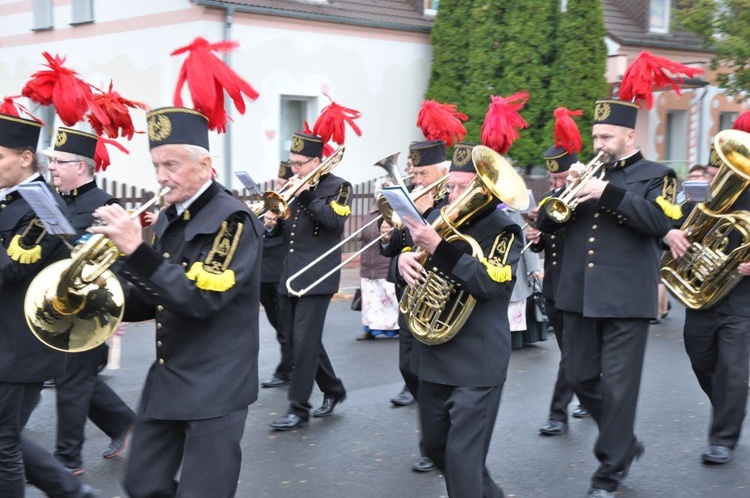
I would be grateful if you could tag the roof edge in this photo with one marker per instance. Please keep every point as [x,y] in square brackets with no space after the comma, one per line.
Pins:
[311,17]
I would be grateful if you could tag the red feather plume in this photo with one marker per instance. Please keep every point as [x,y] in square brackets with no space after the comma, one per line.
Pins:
[331,124]
[441,122]
[327,147]
[61,87]
[101,155]
[502,121]
[10,107]
[208,77]
[566,130]
[648,72]
[742,122]
[114,108]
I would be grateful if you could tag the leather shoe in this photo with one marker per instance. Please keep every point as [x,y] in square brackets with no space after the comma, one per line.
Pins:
[329,403]
[600,493]
[717,454]
[117,445]
[87,491]
[275,382]
[288,422]
[554,428]
[404,398]
[635,454]
[581,412]
[424,464]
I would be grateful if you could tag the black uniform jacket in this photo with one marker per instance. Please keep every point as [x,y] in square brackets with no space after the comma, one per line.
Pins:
[612,246]
[312,228]
[206,340]
[737,302]
[23,358]
[478,355]
[553,246]
[273,259]
[83,201]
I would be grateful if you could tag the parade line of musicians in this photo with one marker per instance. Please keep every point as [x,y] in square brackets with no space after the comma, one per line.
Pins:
[200,281]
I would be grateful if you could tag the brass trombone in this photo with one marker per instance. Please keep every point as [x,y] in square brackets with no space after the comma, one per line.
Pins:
[386,213]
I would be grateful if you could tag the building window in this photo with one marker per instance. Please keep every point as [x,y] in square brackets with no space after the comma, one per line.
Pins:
[658,16]
[431,7]
[727,119]
[563,5]
[82,12]
[676,141]
[42,15]
[294,112]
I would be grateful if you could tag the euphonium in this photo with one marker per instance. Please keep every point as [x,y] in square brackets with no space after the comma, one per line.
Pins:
[435,308]
[76,304]
[708,271]
[278,202]
[561,207]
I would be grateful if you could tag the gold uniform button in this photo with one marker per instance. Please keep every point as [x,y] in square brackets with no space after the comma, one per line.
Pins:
[158,326]
[291,250]
[596,215]
[591,239]
[591,265]
[591,252]
[594,227]
[160,308]
[552,237]
[554,263]
[161,361]
[292,234]
[158,344]
[166,255]
[554,254]
[184,264]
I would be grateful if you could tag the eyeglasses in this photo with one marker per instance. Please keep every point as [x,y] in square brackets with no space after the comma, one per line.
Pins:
[299,164]
[55,160]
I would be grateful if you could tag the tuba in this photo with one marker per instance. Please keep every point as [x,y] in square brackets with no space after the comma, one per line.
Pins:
[278,202]
[707,272]
[561,207]
[435,308]
[76,304]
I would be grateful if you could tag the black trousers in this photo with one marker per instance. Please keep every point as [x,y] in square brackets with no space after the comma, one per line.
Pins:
[269,298]
[21,459]
[304,319]
[81,394]
[457,423]
[563,391]
[718,348]
[208,450]
[604,365]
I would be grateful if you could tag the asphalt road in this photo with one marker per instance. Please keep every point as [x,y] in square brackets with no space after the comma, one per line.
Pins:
[366,448]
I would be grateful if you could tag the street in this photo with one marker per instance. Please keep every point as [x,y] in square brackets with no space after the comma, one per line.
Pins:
[366,448]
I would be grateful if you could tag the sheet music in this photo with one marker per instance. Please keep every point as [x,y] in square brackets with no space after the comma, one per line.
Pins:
[45,206]
[697,190]
[247,181]
[401,203]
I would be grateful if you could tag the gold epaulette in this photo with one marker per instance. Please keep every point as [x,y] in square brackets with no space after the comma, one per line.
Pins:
[340,205]
[23,255]
[672,210]
[498,273]
[213,274]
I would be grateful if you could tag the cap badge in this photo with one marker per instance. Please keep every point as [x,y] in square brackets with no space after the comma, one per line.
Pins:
[159,127]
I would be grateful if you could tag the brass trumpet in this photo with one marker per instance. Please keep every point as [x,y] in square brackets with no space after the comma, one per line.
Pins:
[76,304]
[560,208]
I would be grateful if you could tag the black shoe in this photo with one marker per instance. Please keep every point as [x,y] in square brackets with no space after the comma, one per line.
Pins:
[117,445]
[554,428]
[275,382]
[329,403]
[636,454]
[717,454]
[404,398]
[288,422]
[600,493]
[87,491]
[581,412]
[76,471]
[424,464]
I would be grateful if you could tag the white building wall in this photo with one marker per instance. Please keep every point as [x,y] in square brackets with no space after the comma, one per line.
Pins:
[381,73]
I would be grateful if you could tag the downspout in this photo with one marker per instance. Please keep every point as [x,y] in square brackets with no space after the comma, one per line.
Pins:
[228,135]
[701,138]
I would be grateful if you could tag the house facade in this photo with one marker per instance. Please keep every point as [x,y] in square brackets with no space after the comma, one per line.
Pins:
[371,56]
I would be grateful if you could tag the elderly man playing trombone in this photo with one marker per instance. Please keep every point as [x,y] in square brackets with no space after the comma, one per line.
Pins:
[315,224]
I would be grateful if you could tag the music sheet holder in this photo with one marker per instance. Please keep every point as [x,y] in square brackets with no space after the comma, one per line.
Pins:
[247,181]
[401,203]
[45,206]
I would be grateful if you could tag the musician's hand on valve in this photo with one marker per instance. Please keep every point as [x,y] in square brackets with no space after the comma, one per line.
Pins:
[744,269]
[409,266]
[592,189]
[120,228]
[677,241]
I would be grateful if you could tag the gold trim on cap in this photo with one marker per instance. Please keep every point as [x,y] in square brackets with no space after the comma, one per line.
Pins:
[20,120]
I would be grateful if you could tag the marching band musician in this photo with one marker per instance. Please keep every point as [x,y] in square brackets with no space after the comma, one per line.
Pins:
[608,285]
[25,363]
[80,393]
[428,163]
[315,225]
[460,381]
[200,282]
[717,341]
